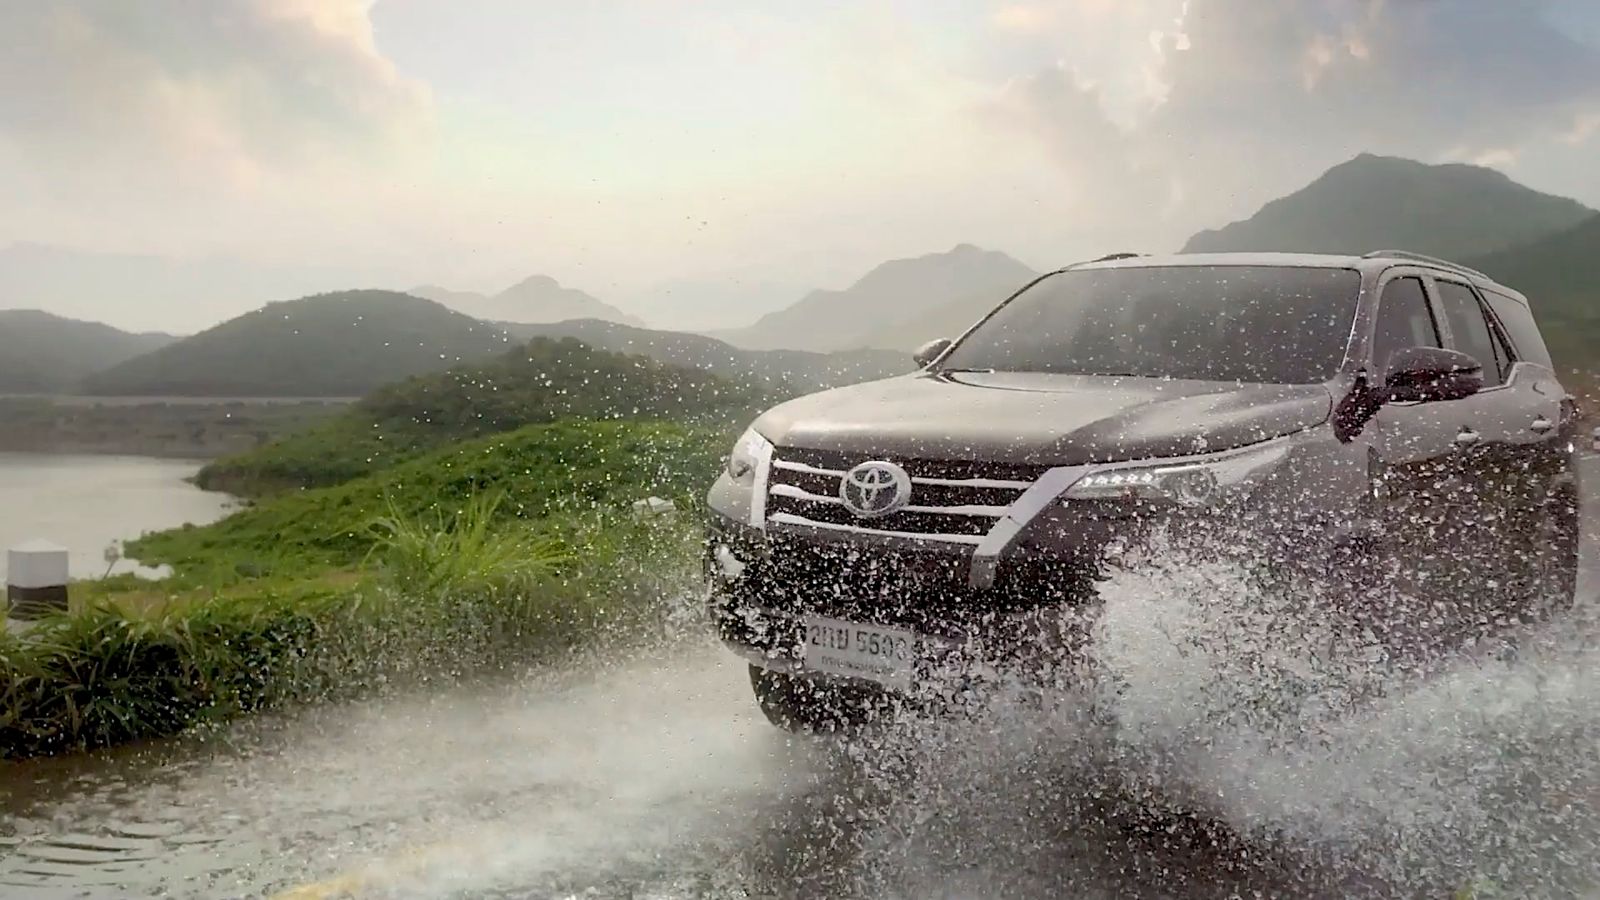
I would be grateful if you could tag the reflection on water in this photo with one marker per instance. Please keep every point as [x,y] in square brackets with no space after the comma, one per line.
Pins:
[85,502]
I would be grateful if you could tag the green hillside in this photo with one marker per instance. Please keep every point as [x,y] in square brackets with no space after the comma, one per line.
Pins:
[1561,277]
[1374,202]
[41,353]
[565,468]
[329,345]
[543,381]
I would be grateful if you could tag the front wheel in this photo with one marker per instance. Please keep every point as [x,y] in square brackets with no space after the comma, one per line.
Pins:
[799,704]
[1553,556]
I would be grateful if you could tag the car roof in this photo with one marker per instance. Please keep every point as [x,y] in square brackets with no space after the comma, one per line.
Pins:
[1381,259]
[1297,260]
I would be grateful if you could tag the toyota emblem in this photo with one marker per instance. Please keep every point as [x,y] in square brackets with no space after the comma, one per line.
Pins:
[875,488]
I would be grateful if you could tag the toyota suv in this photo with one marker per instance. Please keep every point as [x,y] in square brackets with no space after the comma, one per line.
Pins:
[1392,410]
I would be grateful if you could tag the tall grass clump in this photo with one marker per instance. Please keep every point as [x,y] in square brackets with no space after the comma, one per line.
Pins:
[435,553]
[106,674]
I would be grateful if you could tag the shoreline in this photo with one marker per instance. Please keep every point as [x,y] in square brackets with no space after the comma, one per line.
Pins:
[191,429]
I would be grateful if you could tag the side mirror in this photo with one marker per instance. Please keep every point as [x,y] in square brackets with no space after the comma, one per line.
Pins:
[931,351]
[1432,373]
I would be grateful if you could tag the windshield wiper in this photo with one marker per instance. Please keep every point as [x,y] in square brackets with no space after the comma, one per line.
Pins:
[958,370]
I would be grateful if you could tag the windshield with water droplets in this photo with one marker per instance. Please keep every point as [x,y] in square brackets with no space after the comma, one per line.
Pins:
[1264,324]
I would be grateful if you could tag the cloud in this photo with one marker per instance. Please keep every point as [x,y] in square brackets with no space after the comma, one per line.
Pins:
[226,92]
[1249,99]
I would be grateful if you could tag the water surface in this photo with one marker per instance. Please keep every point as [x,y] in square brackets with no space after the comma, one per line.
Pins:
[85,502]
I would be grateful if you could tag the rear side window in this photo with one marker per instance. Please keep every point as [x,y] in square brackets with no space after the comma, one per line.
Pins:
[1404,321]
[1472,331]
[1517,320]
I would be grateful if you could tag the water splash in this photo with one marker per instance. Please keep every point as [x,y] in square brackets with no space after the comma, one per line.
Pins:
[1250,731]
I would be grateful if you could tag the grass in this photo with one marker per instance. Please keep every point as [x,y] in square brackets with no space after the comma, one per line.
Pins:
[543,472]
[431,598]
[494,552]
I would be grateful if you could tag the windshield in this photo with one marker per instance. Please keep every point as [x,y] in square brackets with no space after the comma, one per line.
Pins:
[1270,324]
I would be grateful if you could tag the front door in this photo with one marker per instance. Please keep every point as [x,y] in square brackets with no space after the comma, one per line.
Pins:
[1421,483]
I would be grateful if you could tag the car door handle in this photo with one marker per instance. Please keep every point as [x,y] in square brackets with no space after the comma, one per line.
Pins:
[1467,438]
[1541,425]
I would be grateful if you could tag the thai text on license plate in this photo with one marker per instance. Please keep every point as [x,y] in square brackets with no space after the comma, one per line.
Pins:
[872,652]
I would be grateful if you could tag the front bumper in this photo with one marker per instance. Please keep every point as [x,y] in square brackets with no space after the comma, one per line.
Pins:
[763,586]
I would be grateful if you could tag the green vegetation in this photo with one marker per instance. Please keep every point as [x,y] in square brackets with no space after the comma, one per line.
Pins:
[1376,202]
[329,345]
[566,468]
[42,353]
[485,553]
[544,381]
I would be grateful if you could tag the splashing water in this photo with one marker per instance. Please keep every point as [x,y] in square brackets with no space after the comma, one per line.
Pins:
[1248,730]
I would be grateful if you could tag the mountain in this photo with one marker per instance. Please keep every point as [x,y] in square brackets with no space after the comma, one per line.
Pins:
[538,298]
[45,353]
[1377,202]
[707,303]
[328,345]
[871,312]
[1560,274]
[775,371]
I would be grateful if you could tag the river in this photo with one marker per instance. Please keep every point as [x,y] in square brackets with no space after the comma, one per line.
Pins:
[651,776]
[84,502]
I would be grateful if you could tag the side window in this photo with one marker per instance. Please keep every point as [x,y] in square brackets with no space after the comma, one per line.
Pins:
[1472,332]
[1404,320]
[1515,317]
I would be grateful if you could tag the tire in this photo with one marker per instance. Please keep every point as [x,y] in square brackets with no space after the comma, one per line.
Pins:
[1553,556]
[807,706]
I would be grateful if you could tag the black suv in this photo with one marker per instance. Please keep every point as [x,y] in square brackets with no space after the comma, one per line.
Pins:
[1390,409]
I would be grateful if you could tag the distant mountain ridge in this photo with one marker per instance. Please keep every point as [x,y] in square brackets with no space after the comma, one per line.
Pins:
[881,309]
[340,344]
[42,352]
[773,371]
[533,300]
[1560,274]
[1378,202]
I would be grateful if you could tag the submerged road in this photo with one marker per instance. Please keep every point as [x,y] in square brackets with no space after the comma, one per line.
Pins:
[654,777]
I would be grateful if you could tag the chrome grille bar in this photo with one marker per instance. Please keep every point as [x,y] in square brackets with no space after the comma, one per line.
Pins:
[792,520]
[794,493]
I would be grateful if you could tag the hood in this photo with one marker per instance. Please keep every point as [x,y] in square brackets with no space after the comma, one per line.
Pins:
[1041,419]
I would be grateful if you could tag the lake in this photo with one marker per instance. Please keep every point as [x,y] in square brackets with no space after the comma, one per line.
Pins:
[85,502]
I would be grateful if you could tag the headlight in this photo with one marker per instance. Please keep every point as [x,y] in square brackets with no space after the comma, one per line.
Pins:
[1193,481]
[749,452]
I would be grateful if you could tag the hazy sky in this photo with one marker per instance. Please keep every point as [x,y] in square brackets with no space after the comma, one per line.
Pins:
[620,146]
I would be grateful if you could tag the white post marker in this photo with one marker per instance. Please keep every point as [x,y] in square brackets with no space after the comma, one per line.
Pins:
[1595,445]
[653,506]
[36,579]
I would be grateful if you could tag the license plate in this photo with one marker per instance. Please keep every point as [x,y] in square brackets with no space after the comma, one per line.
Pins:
[836,647]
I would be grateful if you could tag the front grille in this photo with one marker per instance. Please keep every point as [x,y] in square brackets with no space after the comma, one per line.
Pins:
[952,501]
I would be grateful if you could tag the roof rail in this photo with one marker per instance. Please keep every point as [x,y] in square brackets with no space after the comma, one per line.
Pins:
[1424,258]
